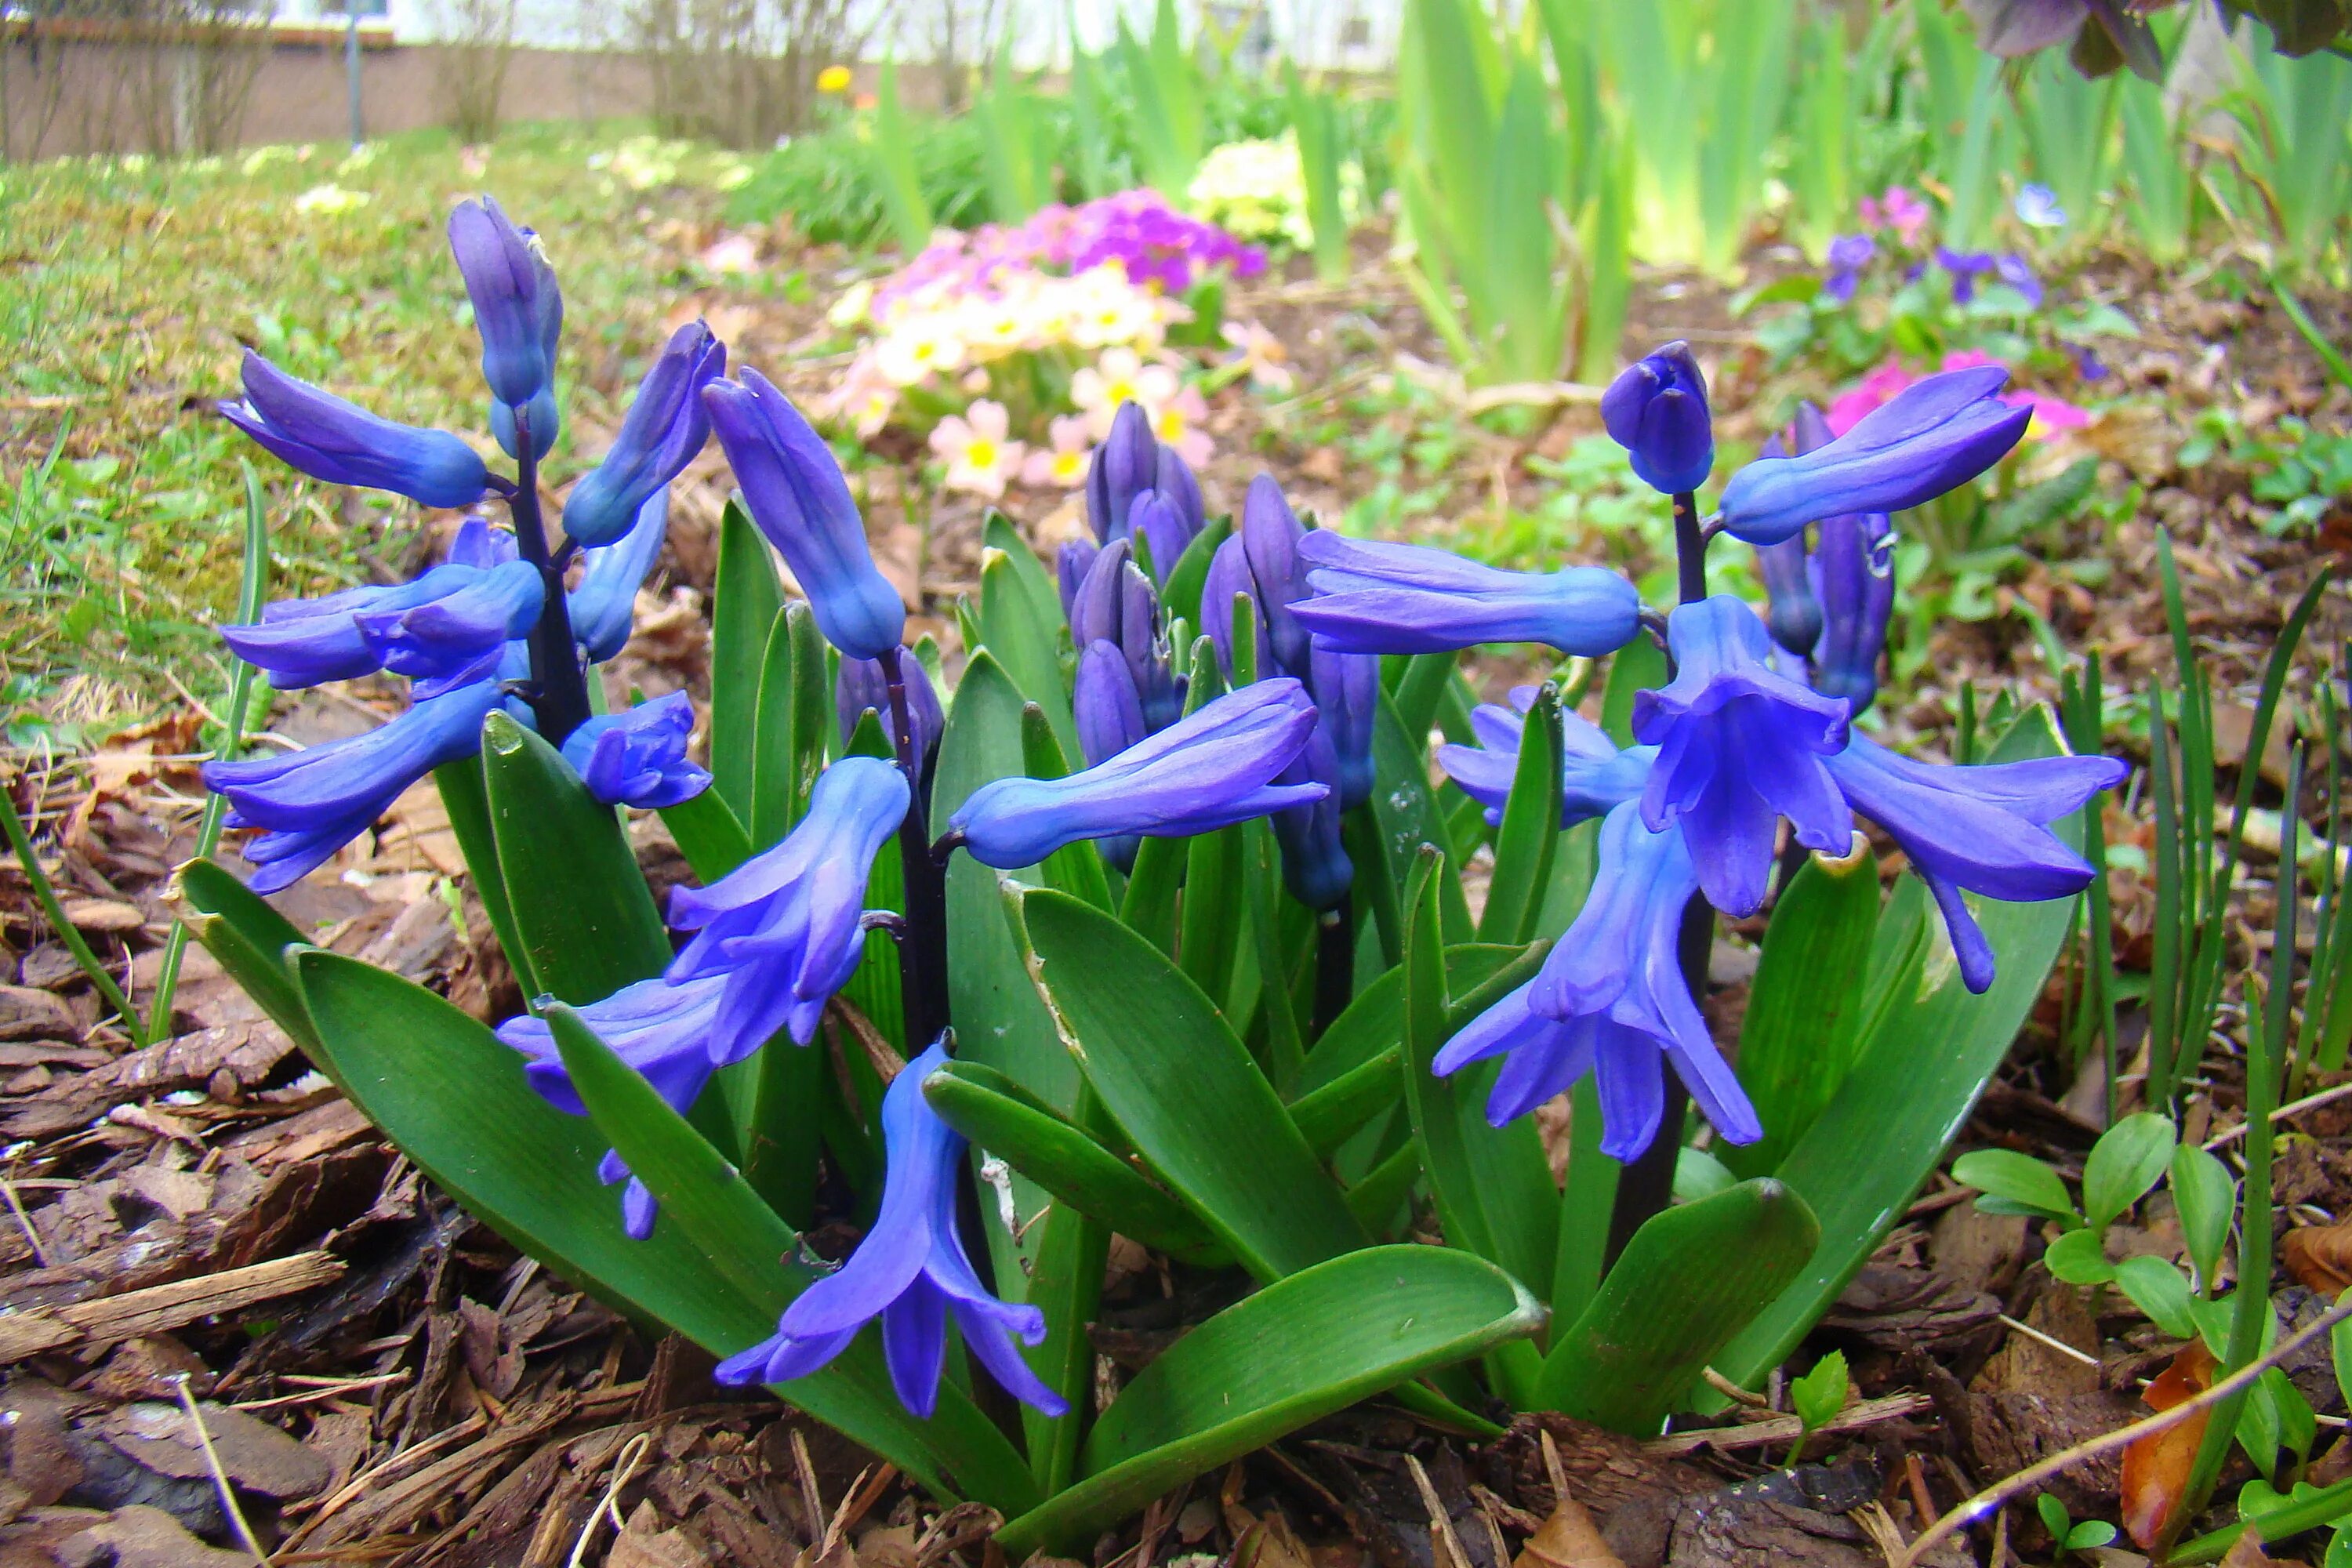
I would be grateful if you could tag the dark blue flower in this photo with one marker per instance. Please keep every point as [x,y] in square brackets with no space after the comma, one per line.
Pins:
[863,686]
[1109,718]
[1848,255]
[1270,534]
[639,758]
[1739,745]
[437,642]
[664,430]
[1965,267]
[603,607]
[660,1029]
[1976,830]
[1117,604]
[911,1272]
[302,642]
[1610,1000]
[1656,409]
[1347,691]
[343,443]
[1214,767]
[785,926]
[1129,462]
[518,307]
[1791,612]
[1071,564]
[310,803]
[1372,597]
[1933,438]
[1595,776]
[1853,570]
[1226,588]
[1314,864]
[795,492]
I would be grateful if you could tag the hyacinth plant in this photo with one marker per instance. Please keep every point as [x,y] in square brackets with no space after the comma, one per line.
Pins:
[1152,924]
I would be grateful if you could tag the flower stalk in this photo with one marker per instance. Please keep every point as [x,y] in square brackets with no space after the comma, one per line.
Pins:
[923,935]
[558,688]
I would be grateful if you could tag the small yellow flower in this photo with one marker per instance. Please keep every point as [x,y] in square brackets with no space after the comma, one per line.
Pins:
[833,79]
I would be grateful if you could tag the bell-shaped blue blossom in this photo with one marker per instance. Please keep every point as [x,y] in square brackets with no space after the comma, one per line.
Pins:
[1314,864]
[1117,604]
[1740,744]
[660,1029]
[796,494]
[1214,767]
[664,430]
[862,686]
[911,1272]
[518,307]
[1853,572]
[639,758]
[302,642]
[1933,438]
[1611,1000]
[540,415]
[1373,597]
[310,803]
[437,642]
[1347,691]
[785,926]
[1980,830]
[341,443]
[1129,463]
[1656,409]
[1596,777]
[604,606]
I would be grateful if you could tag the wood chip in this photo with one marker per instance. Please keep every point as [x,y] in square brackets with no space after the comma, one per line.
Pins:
[161,1307]
[1785,1428]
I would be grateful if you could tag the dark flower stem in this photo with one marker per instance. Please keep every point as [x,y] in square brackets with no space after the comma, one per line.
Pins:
[558,686]
[1646,1185]
[923,942]
[1335,963]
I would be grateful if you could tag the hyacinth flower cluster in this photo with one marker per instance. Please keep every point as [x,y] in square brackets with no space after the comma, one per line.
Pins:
[493,626]
[1741,738]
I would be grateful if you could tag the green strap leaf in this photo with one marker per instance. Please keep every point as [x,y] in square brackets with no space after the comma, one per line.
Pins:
[1530,830]
[1687,1282]
[708,834]
[745,602]
[465,798]
[1494,1190]
[795,710]
[249,939]
[1068,1164]
[1295,1352]
[1182,1088]
[581,908]
[1076,868]
[1018,615]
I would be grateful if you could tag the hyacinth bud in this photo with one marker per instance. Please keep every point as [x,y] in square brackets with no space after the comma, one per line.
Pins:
[664,430]
[1933,438]
[1793,613]
[1374,597]
[1270,533]
[518,307]
[1116,603]
[795,493]
[639,758]
[341,443]
[1071,563]
[1129,464]
[1110,716]
[441,640]
[1854,566]
[1314,864]
[1228,579]
[864,686]
[1347,691]
[1656,409]
[1164,531]
[604,606]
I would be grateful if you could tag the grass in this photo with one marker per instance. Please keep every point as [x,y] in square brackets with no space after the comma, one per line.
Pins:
[134,288]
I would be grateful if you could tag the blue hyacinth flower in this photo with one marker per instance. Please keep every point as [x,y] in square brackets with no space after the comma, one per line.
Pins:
[785,926]
[436,644]
[863,686]
[310,803]
[1214,767]
[664,430]
[330,438]
[518,308]
[1115,603]
[1373,598]
[660,1029]
[1595,776]
[911,1272]
[1656,409]
[604,606]
[1314,864]
[1347,691]
[1981,829]
[1130,462]
[1739,745]
[794,491]
[1933,438]
[1853,570]
[1610,1000]
[639,758]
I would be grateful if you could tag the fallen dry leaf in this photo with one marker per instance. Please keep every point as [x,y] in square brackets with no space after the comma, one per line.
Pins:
[1569,1539]
[2156,1467]
[2246,1552]
[2320,1258]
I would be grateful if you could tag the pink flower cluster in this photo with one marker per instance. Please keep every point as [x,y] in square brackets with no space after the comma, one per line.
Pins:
[1899,210]
[1153,243]
[2053,416]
